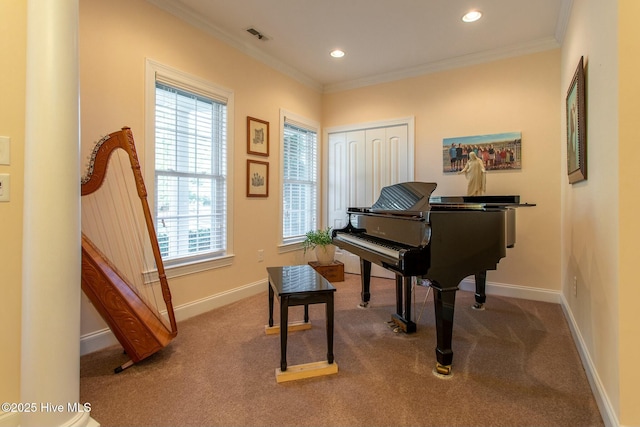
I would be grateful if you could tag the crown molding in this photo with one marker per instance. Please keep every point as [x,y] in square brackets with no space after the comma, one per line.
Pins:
[563,19]
[192,18]
[189,16]
[448,64]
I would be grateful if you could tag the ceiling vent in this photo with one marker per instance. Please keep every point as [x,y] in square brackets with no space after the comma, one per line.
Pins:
[257,34]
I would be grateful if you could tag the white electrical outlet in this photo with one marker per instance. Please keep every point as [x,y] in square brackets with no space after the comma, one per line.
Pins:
[5,186]
[260,255]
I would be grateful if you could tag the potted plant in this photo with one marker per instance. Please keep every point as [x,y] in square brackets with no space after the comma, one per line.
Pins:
[320,241]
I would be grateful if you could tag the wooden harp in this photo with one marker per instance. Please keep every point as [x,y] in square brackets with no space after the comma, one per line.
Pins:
[122,271]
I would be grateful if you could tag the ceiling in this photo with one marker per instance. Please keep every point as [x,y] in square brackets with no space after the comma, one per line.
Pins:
[384,40]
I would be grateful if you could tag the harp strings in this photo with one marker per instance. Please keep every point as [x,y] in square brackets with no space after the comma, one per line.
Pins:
[113,219]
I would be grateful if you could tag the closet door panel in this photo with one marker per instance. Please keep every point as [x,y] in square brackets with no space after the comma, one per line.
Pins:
[337,176]
[360,163]
[357,169]
[400,154]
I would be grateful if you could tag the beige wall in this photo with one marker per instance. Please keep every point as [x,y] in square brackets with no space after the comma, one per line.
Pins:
[599,216]
[590,208]
[13,18]
[629,205]
[518,94]
[112,66]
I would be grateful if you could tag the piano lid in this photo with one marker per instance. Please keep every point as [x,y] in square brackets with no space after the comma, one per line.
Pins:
[407,197]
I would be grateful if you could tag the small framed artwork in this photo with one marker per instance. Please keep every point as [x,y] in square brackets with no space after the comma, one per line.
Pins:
[257,178]
[257,137]
[577,127]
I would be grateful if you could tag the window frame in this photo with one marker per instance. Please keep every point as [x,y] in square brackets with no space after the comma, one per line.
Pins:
[181,80]
[293,244]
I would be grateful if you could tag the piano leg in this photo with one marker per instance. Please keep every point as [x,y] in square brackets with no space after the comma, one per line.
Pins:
[399,294]
[444,301]
[365,278]
[407,301]
[481,283]
[402,318]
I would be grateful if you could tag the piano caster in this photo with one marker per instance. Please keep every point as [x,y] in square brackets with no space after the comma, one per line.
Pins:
[442,371]
[363,304]
[478,306]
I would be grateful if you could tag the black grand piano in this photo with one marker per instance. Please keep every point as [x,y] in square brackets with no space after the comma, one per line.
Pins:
[441,239]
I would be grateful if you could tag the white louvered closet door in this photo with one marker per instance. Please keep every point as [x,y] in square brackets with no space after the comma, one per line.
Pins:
[361,162]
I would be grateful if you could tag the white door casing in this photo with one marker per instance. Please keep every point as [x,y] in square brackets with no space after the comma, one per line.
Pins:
[361,160]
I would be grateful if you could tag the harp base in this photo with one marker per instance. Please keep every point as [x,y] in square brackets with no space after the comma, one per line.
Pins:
[123,367]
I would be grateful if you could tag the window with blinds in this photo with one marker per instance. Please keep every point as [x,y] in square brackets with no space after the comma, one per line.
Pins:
[300,180]
[190,173]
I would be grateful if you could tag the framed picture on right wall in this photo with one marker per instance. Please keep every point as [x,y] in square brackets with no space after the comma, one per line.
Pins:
[577,127]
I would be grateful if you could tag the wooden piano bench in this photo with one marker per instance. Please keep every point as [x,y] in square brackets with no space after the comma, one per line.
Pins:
[300,285]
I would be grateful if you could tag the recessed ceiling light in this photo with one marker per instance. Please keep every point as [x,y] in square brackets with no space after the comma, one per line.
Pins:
[472,16]
[337,53]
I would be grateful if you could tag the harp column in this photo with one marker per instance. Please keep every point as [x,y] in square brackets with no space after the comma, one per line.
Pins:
[50,351]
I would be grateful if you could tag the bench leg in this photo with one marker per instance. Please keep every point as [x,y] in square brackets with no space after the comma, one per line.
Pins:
[271,295]
[329,316]
[284,321]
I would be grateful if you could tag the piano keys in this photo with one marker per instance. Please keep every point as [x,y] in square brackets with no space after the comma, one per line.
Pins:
[441,239]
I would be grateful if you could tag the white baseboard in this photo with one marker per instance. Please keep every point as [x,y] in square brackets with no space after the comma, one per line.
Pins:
[194,308]
[604,404]
[104,338]
[96,341]
[513,291]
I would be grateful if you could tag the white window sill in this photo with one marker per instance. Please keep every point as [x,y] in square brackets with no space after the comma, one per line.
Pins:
[190,268]
[289,247]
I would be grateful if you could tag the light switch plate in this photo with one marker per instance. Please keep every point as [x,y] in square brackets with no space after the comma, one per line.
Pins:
[5,154]
[5,186]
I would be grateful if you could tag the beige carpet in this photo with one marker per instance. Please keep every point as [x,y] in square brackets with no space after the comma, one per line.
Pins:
[514,364]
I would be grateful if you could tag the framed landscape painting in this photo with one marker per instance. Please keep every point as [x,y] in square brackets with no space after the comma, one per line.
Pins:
[577,127]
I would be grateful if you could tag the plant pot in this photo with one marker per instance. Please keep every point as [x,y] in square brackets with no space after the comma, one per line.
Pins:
[325,254]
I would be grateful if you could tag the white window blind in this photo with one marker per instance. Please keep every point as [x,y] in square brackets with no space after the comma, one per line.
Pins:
[300,180]
[190,173]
